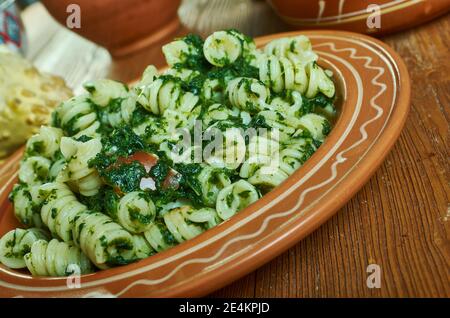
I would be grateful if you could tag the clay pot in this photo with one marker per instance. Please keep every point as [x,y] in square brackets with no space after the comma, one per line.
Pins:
[358,16]
[122,27]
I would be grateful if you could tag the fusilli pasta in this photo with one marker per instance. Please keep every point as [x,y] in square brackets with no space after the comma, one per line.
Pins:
[105,242]
[234,198]
[56,259]
[27,204]
[125,172]
[77,173]
[282,74]
[77,117]
[247,94]
[16,243]
[136,212]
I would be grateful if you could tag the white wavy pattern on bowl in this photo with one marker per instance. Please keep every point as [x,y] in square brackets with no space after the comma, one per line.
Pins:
[359,15]
[339,159]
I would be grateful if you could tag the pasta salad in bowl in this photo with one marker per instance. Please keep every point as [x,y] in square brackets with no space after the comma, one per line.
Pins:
[124,173]
[198,173]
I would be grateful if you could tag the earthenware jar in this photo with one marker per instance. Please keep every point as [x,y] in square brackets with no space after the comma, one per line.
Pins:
[364,16]
[123,27]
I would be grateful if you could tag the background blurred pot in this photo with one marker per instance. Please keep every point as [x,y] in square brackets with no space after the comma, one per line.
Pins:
[353,15]
[124,26]
[207,16]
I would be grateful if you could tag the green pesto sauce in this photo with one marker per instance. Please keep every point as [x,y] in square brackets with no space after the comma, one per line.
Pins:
[104,201]
[139,116]
[239,68]
[311,104]
[83,138]
[136,215]
[195,60]
[126,177]
[122,142]
[188,186]
[55,121]
[159,172]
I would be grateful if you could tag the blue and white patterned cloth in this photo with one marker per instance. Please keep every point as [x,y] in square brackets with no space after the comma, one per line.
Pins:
[11,29]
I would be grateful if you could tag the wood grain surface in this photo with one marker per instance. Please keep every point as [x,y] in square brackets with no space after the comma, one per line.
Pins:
[400,220]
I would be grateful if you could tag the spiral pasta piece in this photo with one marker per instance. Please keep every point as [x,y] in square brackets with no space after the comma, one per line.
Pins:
[252,164]
[34,170]
[297,49]
[248,44]
[262,150]
[293,155]
[158,128]
[281,74]
[141,247]
[124,113]
[45,143]
[212,90]
[234,198]
[316,125]
[140,91]
[212,181]
[56,259]
[166,128]
[269,176]
[218,112]
[78,174]
[180,50]
[319,81]
[159,237]
[180,224]
[247,94]
[185,223]
[283,125]
[59,209]
[291,110]
[77,117]
[148,76]
[177,119]
[103,91]
[105,242]
[166,93]
[265,145]
[136,212]
[27,204]
[176,51]
[227,150]
[183,74]
[222,48]
[56,169]
[16,243]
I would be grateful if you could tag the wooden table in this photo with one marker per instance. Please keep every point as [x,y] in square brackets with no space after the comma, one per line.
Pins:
[400,220]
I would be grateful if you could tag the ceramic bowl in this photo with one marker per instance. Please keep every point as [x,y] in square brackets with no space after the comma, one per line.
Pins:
[374,95]
[123,27]
[359,16]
